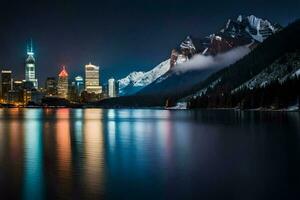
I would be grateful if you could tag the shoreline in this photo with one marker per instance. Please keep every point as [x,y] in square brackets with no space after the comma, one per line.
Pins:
[154,108]
[249,110]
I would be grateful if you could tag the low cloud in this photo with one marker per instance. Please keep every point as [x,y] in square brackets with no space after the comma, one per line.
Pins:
[201,62]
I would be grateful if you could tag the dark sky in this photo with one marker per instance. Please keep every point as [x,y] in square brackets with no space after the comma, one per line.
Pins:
[119,36]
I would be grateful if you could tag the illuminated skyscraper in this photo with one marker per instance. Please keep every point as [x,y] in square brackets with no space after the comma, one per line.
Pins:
[112,87]
[30,74]
[62,85]
[79,84]
[92,79]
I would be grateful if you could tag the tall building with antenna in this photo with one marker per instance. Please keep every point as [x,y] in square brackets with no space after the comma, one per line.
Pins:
[30,73]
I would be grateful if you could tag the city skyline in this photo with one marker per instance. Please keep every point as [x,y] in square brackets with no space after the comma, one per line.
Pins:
[137,38]
[149,99]
[58,90]
[30,65]
[30,74]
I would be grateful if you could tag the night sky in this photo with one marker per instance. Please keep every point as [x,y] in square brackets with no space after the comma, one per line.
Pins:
[119,36]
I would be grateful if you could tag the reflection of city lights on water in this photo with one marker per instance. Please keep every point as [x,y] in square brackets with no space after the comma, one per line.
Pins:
[112,134]
[63,150]
[33,150]
[16,139]
[94,152]
[78,113]
[63,141]
[111,114]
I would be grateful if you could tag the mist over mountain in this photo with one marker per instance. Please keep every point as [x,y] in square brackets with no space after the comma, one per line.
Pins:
[197,52]
[184,76]
[200,61]
[198,78]
[267,77]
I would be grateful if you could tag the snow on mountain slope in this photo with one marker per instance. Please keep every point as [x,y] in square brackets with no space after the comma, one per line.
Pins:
[142,79]
[296,74]
[185,76]
[245,30]
[188,44]
[259,23]
[236,32]
[288,66]
[153,74]
[131,78]
[260,29]
[204,90]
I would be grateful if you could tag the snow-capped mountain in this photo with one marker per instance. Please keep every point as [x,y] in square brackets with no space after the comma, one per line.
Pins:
[259,29]
[248,30]
[133,77]
[268,77]
[137,80]
[185,75]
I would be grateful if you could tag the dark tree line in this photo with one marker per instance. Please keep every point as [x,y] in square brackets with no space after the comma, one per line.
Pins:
[274,47]
[273,96]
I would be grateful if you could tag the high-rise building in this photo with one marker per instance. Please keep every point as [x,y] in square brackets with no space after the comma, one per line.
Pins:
[30,74]
[27,90]
[92,79]
[79,84]
[104,94]
[117,88]
[112,87]
[16,94]
[18,85]
[62,84]
[51,86]
[73,95]
[6,83]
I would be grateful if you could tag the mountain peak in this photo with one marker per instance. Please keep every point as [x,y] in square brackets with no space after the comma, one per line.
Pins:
[239,18]
[142,79]
[188,44]
[250,26]
[241,31]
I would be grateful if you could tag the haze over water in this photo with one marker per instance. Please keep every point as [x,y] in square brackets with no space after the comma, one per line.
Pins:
[148,154]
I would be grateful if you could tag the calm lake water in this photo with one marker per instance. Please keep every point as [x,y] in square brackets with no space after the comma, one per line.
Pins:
[148,154]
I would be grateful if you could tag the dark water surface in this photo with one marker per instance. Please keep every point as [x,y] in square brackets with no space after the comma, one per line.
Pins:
[148,154]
